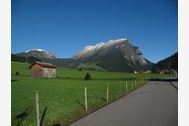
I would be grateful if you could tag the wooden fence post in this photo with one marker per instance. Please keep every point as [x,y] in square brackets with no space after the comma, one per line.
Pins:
[86,107]
[126,88]
[132,84]
[135,84]
[107,93]
[37,108]
[120,88]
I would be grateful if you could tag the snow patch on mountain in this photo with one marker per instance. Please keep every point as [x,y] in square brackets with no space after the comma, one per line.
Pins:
[91,48]
[40,50]
[38,53]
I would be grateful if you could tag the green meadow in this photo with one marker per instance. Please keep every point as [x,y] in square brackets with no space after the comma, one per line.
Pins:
[64,96]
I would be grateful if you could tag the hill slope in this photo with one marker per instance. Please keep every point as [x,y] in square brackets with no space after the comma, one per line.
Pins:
[170,62]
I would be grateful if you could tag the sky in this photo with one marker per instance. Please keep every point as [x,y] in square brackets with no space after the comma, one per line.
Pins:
[65,27]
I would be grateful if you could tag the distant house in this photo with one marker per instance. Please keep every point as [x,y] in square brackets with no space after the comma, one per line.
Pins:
[148,71]
[165,71]
[135,72]
[43,70]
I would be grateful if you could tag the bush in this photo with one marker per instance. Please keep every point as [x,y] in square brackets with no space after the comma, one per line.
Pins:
[87,76]
[79,69]
[17,73]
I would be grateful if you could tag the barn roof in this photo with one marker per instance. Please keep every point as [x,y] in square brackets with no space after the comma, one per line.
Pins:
[43,64]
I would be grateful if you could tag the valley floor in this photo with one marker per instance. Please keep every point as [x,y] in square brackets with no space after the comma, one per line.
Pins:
[63,96]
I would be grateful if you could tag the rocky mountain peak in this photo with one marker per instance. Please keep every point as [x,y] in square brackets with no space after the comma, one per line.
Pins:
[37,53]
[106,49]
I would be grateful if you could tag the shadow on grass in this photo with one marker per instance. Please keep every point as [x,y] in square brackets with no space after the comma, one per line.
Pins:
[56,124]
[103,99]
[13,80]
[25,114]
[167,80]
[43,116]
[79,103]
[22,116]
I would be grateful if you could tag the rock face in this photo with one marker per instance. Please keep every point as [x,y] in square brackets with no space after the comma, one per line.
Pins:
[37,53]
[114,55]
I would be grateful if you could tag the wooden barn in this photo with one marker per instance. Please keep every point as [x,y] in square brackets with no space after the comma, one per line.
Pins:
[43,70]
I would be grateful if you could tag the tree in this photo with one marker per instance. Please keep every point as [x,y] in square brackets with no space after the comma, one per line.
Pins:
[17,73]
[87,76]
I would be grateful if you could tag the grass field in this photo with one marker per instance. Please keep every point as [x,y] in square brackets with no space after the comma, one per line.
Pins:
[64,96]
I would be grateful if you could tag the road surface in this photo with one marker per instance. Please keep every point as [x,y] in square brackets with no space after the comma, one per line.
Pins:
[155,104]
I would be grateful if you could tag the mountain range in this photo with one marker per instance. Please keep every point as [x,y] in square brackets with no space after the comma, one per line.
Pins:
[114,55]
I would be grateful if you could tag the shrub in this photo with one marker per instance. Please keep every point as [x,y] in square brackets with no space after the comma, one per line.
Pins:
[17,73]
[87,76]
[79,69]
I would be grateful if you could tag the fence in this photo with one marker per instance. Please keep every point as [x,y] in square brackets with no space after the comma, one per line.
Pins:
[112,92]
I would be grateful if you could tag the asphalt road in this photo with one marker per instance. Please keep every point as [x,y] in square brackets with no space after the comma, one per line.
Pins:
[155,104]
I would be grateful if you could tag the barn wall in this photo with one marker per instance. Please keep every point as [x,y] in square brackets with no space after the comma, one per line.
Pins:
[41,72]
[37,71]
[49,72]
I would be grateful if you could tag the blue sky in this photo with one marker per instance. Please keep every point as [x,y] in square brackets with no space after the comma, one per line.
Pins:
[64,27]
